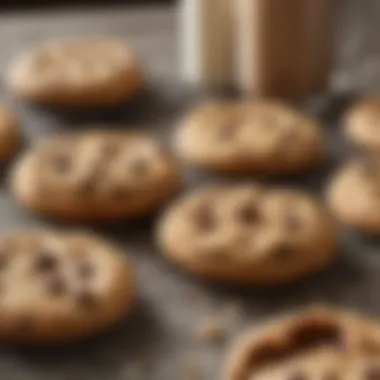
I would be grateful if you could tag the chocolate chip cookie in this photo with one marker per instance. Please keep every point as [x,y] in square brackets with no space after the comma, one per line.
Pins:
[247,234]
[362,123]
[354,194]
[83,72]
[10,134]
[99,175]
[316,343]
[58,286]
[250,136]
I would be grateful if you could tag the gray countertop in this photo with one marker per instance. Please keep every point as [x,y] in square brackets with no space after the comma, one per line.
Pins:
[159,341]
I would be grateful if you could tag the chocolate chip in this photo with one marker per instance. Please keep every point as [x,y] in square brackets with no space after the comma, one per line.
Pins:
[46,262]
[205,219]
[372,373]
[283,253]
[85,270]
[139,167]
[86,299]
[248,214]
[55,286]
[87,185]
[61,164]
[298,375]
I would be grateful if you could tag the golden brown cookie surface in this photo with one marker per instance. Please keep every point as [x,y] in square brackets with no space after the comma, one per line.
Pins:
[258,136]
[317,343]
[362,123]
[354,194]
[86,72]
[95,176]
[247,234]
[58,286]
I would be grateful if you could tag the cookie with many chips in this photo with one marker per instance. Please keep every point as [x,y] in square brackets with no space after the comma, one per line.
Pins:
[247,234]
[96,175]
[57,286]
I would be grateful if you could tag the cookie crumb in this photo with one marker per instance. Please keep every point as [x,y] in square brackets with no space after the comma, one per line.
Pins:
[211,330]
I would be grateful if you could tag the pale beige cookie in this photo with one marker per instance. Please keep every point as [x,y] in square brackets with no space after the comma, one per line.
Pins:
[362,123]
[83,72]
[249,136]
[354,194]
[10,135]
[247,234]
[59,286]
[95,176]
[316,343]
